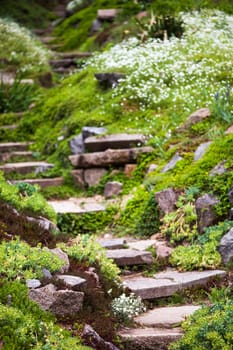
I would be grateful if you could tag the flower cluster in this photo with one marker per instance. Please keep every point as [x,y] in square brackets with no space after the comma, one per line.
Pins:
[184,73]
[126,307]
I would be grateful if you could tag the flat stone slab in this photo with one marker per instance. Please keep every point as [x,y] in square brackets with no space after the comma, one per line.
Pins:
[14,146]
[109,157]
[125,257]
[114,141]
[107,14]
[78,205]
[43,183]
[166,317]
[26,155]
[201,150]
[149,338]
[25,167]
[142,245]
[169,282]
[72,282]
[112,243]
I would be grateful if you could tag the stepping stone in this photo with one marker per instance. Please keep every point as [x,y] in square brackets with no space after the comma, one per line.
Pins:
[26,155]
[43,183]
[142,245]
[115,141]
[112,243]
[77,205]
[126,257]
[201,150]
[26,167]
[166,317]
[14,146]
[149,338]
[106,14]
[169,282]
[109,157]
[72,282]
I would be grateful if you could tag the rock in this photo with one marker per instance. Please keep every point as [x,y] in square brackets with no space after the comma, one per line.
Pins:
[93,176]
[229,130]
[166,317]
[78,205]
[26,167]
[169,282]
[47,274]
[108,158]
[163,251]
[142,244]
[88,131]
[129,169]
[201,150]
[198,116]
[169,166]
[46,80]
[62,303]
[230,195]
[77,145]
[112,189]
[219,169]
[43,183]
[107,14]
[78,177]
[112,243]
[96,26]
[109,80]
[149,338]
[72,282]
[114,141]
[166,200]
[33,283]
[152,167]
[43,223]
[14,146]
[64,257]
[124,257]
[205,211]
[226,247]
[92,338]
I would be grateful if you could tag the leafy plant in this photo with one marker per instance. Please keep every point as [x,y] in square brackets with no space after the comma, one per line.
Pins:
[126,307]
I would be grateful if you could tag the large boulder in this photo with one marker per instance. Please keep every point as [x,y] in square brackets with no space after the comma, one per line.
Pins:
[205,211]
[226,247]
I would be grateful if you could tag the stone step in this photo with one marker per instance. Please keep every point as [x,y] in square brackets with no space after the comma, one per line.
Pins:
[114,141]
[166,317]
[107,14]
[112,243]
[14,146]
[109,157]
[149,338]
[79,205]
[127,257]
[43,183]
[167,283]
[25,167]
[9,156]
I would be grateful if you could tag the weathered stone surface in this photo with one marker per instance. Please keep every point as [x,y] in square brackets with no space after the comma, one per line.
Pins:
[96,26]
[166,317]
[11,156]
[64,62]
[152,167]
[229,130]
[78,177]
[78,205]
[129,169]
[33,283]
[47,274]
[226,247]
[169,166]
[77,145]
[106,14]
[109,157]
[93,339]
[201,150]
[64,257]
[169,282]
[43,183]
[93,176]
[124,257]
[163,251]
[230,195]
[114,141]
[205,211]
[219,169]
[112,188]
[166,200]
[142,244]
[62,303]
[88,131]
[25,167]
[198,116]
[109,80]
[14,146]
[72,282]
[149,338]
[112,243]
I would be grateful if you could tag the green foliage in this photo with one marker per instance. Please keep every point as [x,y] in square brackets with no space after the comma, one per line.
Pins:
[223,105]
[26,189]
[210,328]
[202,253]
[19,260]
[86,249]
[148,221]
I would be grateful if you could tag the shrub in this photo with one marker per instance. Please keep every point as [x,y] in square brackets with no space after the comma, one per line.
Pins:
[126,307]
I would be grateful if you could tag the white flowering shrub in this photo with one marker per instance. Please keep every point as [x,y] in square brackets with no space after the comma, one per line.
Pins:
[20,51]
[184,73]
[126,307]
